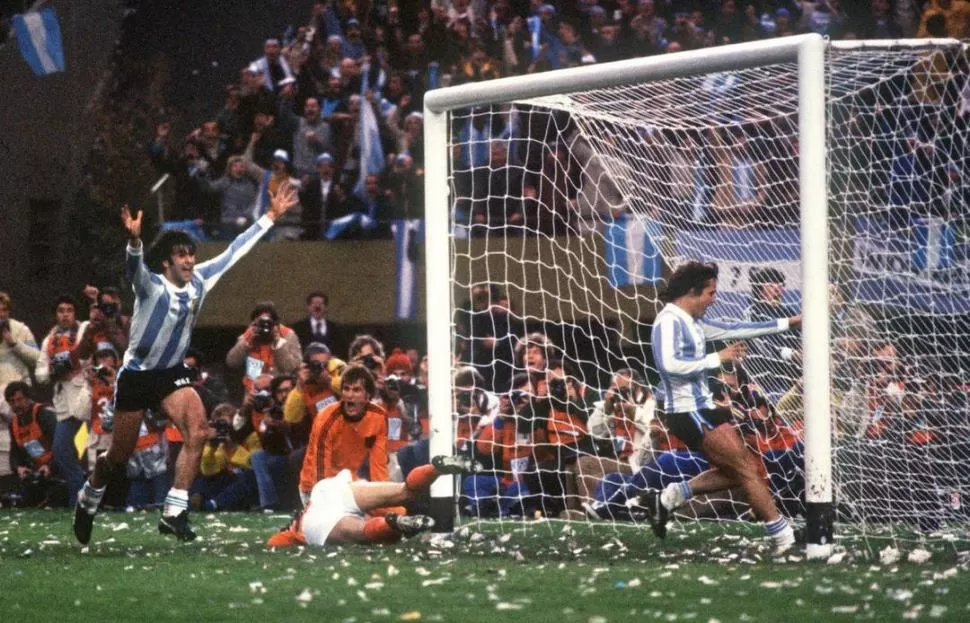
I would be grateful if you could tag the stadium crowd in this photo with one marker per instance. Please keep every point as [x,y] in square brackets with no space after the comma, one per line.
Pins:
[334,107]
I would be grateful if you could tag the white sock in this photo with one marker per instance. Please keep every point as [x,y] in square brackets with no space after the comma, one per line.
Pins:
[675,495]
[176,501]
[90,497]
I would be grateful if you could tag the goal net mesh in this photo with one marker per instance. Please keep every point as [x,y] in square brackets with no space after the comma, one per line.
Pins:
[569,211]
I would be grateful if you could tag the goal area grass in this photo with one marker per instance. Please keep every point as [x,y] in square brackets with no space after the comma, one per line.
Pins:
[485,571]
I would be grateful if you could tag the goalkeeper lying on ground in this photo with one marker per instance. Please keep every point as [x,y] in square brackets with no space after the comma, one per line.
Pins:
[342,510]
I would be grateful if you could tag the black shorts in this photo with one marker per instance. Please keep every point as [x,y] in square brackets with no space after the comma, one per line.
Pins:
[691,426]
[137,390]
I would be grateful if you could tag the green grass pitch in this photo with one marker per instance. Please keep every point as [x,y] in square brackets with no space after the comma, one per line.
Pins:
[524,572]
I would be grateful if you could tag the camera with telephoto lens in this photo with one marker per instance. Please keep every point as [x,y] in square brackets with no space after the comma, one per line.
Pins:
[110,310]
[557,389]
[393,383]
[262,400]
[61,365]
[102,372]
[370,362]
[222,429]
[264,327]
[315,367]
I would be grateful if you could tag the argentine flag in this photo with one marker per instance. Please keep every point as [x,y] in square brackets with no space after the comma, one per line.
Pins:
[371,152]
[408,240]
[631,257]
[39,40]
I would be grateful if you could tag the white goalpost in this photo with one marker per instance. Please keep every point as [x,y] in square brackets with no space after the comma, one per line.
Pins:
[557,202]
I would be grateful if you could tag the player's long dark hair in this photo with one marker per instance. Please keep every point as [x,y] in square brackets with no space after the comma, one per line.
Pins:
[165,245]
[689,278]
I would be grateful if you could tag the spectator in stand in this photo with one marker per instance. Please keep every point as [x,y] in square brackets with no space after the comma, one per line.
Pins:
[60,366]
[405,188]
[317,327]
[289,227]
[369,216]
[191,204]
[32,431]
[773,360]
[237,191]
[323,199]
[226,480]
[311,138]
[265,347]
[881,23]
[272,65]
[489,332]
[254,98]
[350,434]
[229,122]
[213,148]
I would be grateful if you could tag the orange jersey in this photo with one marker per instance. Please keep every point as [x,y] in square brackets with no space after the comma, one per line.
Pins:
[337,443]
[398,431]
[565,428]
[32,439]
[102,396]
[510,450]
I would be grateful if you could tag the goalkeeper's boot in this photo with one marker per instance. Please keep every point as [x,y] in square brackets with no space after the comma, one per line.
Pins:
[409,525]
[656,513]
[456,465]
[83,523]
[177,525]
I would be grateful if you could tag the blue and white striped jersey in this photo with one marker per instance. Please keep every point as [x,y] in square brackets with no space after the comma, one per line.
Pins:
[161,326]
[679,342]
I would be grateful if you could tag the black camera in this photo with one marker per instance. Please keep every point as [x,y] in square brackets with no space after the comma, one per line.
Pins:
[102,372]
[264,327]
[370,362]
[557,389]
[60,366]
[316,368]
[466,398]
[222,428]
[110,310]
[393,383]
[262,400]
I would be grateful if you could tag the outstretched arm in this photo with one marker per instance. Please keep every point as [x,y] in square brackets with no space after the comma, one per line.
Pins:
[281,201]
[135,270]
[716,330]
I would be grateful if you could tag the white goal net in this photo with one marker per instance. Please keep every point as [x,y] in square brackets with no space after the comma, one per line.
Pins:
[568,211]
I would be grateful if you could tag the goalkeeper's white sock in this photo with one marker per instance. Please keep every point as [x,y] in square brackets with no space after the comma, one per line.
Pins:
[676,494]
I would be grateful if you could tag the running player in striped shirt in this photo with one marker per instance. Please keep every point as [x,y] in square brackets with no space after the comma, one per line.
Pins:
[166,307]
[679,340]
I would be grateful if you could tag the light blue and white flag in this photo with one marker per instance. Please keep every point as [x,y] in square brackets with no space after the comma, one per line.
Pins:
[371,152]
[631,257]
[39,40]
[408,238]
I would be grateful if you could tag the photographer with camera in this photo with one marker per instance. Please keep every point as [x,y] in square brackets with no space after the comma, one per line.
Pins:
[18,350]
[262,415]
[506,446]
[399,400]
[101,380]
[619,426]
[60,365]
[32,431]
[226,480]
[107,326]
[266,347]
